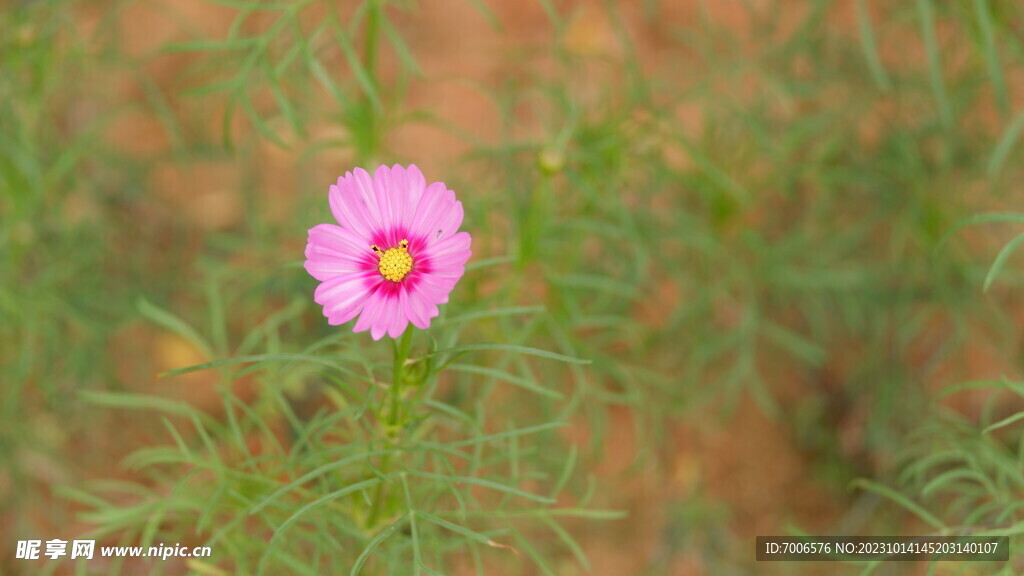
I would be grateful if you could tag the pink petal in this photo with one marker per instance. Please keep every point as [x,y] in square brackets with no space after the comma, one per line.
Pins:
[342,297]
[397,192]
[458,243]
[338,239]
[325,268]
[451,221]
[372,310]
[332,250]
[414,184]
[383,193]
[449,256]
[432,212]
[448,262]
[415,314]
[364,193]
[422,306]
[389,308]
[401,318]
[354,204]
[434,289]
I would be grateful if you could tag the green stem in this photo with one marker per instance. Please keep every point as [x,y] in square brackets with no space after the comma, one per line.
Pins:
[374,12]
[402,348]
[370,40]
[534,221]
[395,421]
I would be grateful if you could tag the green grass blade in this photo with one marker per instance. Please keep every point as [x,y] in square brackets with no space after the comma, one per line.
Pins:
[982,11]
[870,47]
[506,377]
[369,483]
[931,46]
[315,473]
[173,323]
[483,483]
[373,544]
[457,350]
[508,434]
[140,402]
[1016,387]
[213,45]
[496,313]
[1004,422]
[363,77]
[981,219]
[468,533]
[487,13]
[402,50]
[262,358]
[1006,145]
[901,500]
[1000,260]
[569,542]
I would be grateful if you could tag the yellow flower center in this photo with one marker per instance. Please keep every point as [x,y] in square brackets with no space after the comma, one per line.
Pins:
[395,262]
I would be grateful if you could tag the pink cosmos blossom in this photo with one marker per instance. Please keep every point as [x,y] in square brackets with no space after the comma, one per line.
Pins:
[395,254]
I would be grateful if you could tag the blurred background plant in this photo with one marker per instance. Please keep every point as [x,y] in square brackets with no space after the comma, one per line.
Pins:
[734,209]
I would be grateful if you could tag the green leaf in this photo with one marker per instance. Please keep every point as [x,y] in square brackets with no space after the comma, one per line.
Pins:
[317,472]
[597,283]
[1006,384]
[141,402]
[262,358]
[488,262]
[173,323]
[980,219]
[868,45]
[1012,530]
[506,377]
[377,541]
[1000,260]
[362,75]
[982,11]
[508,434]
[260,124]
[145,457]
[1006,144]
[803,348]
[456,350]
[483,483]
[487,13]
[1004,422]
[481,314]
[532,553]
[468,533]
[369,483]
[552,12]
[213,45]
[899,499]
[570,465]
[585,513]
[949,476]
[401,48]
[569,542]
[931,46]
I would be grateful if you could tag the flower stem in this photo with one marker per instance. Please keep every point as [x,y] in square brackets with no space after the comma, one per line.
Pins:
[370,39]
[395,421]
[402,348]
[369,117]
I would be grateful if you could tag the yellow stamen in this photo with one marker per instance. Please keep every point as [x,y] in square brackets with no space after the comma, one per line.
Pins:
[395,262]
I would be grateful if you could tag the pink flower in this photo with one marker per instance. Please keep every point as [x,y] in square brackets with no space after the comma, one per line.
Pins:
[395,254]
